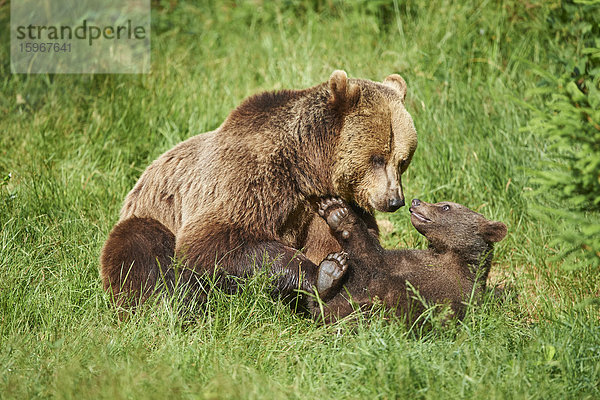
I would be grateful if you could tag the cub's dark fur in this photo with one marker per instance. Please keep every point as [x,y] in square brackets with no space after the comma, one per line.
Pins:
[454,268]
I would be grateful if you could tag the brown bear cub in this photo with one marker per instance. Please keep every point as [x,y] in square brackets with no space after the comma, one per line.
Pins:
[245,196]
[454,268]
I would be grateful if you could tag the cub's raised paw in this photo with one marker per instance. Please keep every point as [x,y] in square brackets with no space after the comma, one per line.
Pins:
[331,271]
[333,210]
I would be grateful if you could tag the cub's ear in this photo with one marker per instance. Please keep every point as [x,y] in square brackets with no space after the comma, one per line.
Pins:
[493,231]
[395,81]
[344,93]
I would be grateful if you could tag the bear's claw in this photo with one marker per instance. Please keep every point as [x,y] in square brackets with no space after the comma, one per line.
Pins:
[334,211]
[331,270]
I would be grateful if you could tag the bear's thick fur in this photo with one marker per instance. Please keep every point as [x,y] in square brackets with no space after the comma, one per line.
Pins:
[246,194]
[454,268]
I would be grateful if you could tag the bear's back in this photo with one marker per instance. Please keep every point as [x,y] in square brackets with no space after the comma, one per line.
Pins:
[178,181]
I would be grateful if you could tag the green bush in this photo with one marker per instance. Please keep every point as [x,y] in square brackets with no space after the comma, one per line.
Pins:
[570,122]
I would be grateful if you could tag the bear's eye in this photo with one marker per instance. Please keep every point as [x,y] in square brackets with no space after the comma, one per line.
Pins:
[401,166]
[378,161]
[445,207]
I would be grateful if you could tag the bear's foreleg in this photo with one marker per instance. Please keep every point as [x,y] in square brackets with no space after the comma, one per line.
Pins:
[230,252]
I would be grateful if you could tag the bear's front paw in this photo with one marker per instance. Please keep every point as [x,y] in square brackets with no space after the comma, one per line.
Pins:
[334,211]
[331,271]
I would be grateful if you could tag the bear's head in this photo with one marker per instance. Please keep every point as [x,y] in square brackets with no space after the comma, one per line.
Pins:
[376,142]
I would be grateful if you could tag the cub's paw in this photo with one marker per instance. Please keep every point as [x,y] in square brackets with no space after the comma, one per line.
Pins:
[334,211]
[331,271]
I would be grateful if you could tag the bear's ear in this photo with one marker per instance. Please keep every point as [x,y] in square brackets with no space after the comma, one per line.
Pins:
[493,231]
[343,92]
[395,81]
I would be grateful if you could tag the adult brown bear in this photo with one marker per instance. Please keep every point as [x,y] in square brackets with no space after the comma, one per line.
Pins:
[246,194]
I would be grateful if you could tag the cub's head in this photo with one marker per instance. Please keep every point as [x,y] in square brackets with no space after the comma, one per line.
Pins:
[376,143]
[451,226]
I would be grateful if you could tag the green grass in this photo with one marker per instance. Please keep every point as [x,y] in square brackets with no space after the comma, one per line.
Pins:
[79,142]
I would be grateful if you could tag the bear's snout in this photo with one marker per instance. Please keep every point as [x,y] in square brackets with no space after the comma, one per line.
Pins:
[395,203]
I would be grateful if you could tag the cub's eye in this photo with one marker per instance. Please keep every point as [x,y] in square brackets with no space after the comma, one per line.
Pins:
[445,207]
[378,161]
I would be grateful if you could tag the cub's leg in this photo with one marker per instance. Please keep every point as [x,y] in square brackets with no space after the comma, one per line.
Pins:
[331,271]
[320,241]
[352,233]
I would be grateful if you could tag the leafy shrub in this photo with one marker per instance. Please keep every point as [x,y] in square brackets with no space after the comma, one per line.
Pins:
[570,122]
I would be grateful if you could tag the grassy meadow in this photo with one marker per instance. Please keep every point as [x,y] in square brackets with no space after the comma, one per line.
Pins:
[72,146]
